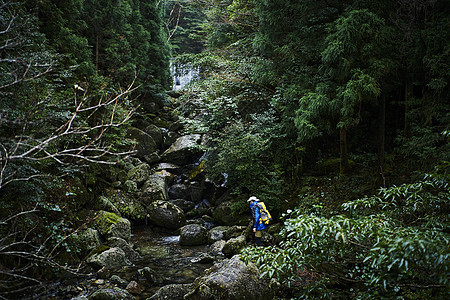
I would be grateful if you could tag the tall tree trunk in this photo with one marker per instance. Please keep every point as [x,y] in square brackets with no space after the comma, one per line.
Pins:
[343,150]
[381,136]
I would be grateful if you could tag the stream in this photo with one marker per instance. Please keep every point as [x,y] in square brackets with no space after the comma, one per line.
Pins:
[161,252]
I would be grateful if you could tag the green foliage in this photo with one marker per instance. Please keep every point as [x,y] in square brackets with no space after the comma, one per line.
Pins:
[395,243]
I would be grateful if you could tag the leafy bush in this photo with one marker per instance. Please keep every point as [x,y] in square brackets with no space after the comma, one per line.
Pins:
[395,243]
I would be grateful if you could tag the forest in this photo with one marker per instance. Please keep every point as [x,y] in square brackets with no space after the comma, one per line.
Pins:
[335,113]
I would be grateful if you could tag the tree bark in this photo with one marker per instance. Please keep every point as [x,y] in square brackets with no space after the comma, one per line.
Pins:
[343,150]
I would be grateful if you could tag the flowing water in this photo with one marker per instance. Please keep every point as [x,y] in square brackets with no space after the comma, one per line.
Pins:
[161,252]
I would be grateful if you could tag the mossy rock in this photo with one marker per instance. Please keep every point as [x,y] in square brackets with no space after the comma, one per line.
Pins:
[111,225]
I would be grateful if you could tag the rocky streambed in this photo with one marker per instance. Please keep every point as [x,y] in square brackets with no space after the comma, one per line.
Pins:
[163,230]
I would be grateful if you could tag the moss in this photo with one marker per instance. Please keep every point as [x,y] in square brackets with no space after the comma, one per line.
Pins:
[105,220]
[98,250]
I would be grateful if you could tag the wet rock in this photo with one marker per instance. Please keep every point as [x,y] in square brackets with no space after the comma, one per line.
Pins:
[168,167]
[112,258]
[171,291]
[111,225]
[130,253]
[119,281]
[145,144]
[140,173]
[114,293]
[234,231]
[203,258]
[179,191]
[185,205]
[165,214]
[216,248]
[192,235]
[155,188]
[230,279]
[134,288]
[183,149]
[233,246]
[151,275]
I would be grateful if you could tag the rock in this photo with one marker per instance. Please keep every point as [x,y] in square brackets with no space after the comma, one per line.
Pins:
[165,214]
[156,133]
[119,281]
[140,173]
[185,205]
[87,240]
[111,225]
[203,258]
[168,167]
[171,292]
[145,144]
[183,149]
[216,248]
[179,191]
[114,293]
[234,246]
[230,279]
[112,258]
[105,204]
[127,204]
[216,234]
[130,253]
[234,231]
[223,214]
[155,188]
[134,288]
[193,235]
[151,275]
[169,137]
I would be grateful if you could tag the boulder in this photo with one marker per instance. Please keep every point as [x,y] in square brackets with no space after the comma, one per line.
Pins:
[165,214]
[156,133]
[140,173]
[135,288]
[185,205]
[234,246]
[169,137]
[223,214]
[151,275]
[155,188]
[216,234]
[145,144]
[87,240]
[114,293]
[193,235]
[126,247]
[127,204]
[105,204]
[179,191]
[171,291]
[230,279]
[216,248]
[183,149]
[111,225]
[112,258]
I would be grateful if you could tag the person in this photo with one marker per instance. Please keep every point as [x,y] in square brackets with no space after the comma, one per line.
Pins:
[257,225]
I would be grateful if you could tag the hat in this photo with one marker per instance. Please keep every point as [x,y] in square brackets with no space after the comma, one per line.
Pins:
[252,198]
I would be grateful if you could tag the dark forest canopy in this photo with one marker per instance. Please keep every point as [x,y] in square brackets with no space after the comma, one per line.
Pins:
[316,106]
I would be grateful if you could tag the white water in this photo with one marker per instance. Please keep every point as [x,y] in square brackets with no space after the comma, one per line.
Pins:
[183,75]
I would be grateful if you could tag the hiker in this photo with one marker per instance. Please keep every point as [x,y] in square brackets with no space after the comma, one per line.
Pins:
[258,225]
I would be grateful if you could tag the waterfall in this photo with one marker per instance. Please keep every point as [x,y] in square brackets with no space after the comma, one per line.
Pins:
[182,75]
